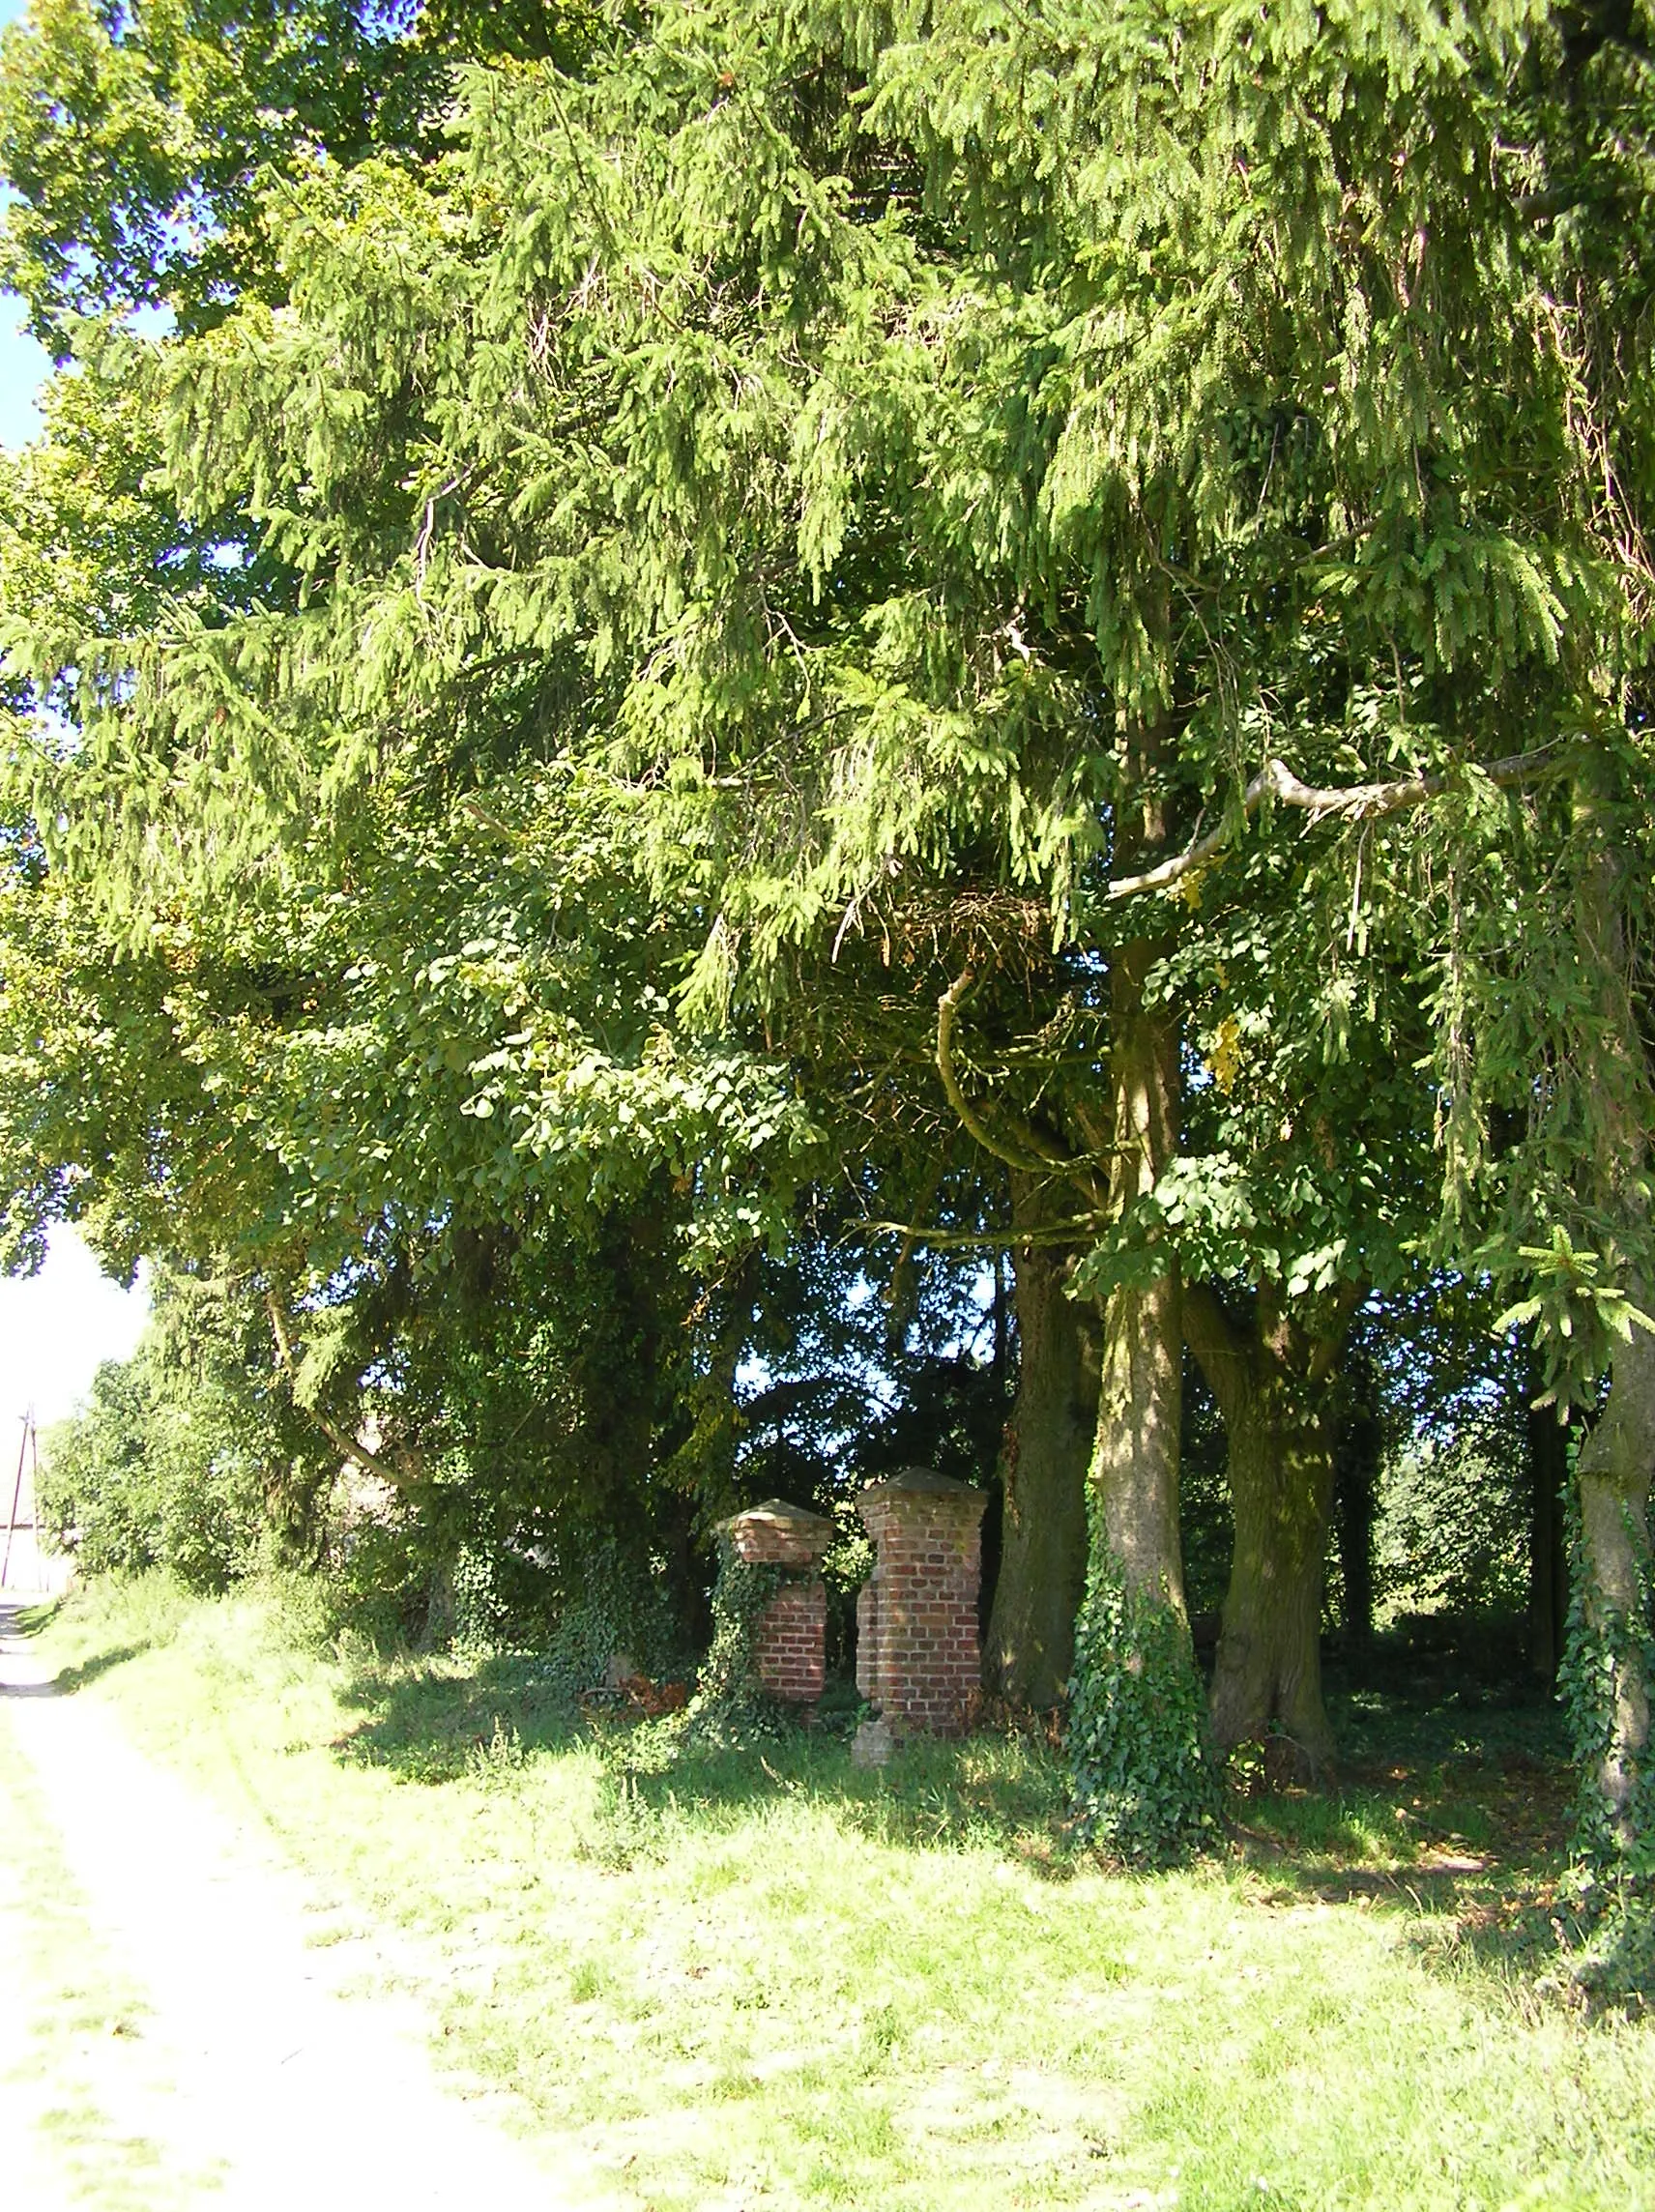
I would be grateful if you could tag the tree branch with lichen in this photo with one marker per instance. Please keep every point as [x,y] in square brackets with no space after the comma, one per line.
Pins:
[1349,803]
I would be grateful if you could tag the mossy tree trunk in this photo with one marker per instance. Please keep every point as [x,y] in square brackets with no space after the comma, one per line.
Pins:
[1615,1466]
[1141,1777]
[1134,1471]
[1613,1639]
[1042,1571]
[1267,1676]
[1270,1376]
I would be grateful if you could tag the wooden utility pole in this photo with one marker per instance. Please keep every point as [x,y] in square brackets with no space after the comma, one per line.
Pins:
[23,1444]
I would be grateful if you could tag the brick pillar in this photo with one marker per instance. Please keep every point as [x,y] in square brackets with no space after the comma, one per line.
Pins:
[918,1659]
[789,1645]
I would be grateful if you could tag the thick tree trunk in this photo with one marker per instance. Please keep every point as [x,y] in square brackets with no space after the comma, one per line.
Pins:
[436,1630]
[1270,1378]
[1356,1455]
[1042,1571]
[1143,1781]
[1138,1744]
[1269,1670]
[619,1368]
[1616,1462]
[1135,1457]
[1141,1778]
[1547,1441]
[1615,1465]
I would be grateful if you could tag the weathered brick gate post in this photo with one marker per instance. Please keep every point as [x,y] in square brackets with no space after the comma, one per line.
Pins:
[790,1641]
[918,1656]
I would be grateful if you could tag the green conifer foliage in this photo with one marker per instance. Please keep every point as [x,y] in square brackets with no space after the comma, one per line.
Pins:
[800,454]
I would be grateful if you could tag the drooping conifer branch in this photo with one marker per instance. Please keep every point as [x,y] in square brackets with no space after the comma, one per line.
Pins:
[1349,802]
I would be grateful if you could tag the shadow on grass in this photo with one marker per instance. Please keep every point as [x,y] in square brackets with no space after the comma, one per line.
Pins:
[1452,1811]
[30,1620]
[17,1618]
[68,1679]
[430,1723]
[1000,1790]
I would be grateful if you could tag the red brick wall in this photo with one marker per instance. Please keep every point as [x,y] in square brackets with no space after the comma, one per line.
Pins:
[791,1639]
[918,1658]
[789,1645]
[765,1543]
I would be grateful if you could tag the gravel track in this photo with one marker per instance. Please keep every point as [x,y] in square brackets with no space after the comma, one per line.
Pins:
[218,2057]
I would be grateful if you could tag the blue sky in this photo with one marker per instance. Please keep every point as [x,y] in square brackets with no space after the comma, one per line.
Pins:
[57,1326]
[23,362]
[23,365]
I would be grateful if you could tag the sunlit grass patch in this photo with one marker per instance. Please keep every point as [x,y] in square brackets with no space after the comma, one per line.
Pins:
[767,1977]
[89,2067]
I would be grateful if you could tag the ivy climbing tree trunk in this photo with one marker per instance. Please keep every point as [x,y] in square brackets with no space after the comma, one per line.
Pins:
[1143,1781]
[1270,1378]
[1042,1571]
[1613,1634]
[627,1330]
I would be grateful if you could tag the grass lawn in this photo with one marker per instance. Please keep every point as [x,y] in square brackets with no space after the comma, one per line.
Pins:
[774,1981]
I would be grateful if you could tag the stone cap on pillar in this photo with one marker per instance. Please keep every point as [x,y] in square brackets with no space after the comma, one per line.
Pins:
[778,1534]
[920,1483]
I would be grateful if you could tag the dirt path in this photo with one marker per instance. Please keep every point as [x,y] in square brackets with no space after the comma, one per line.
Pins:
[171,2034]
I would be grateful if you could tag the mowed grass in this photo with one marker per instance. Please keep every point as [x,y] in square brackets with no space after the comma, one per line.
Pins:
[770,1980]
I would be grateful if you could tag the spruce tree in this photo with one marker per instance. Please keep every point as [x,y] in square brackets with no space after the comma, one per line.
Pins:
[851,452]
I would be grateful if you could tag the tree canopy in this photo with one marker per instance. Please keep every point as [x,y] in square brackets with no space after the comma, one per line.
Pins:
[690,591]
